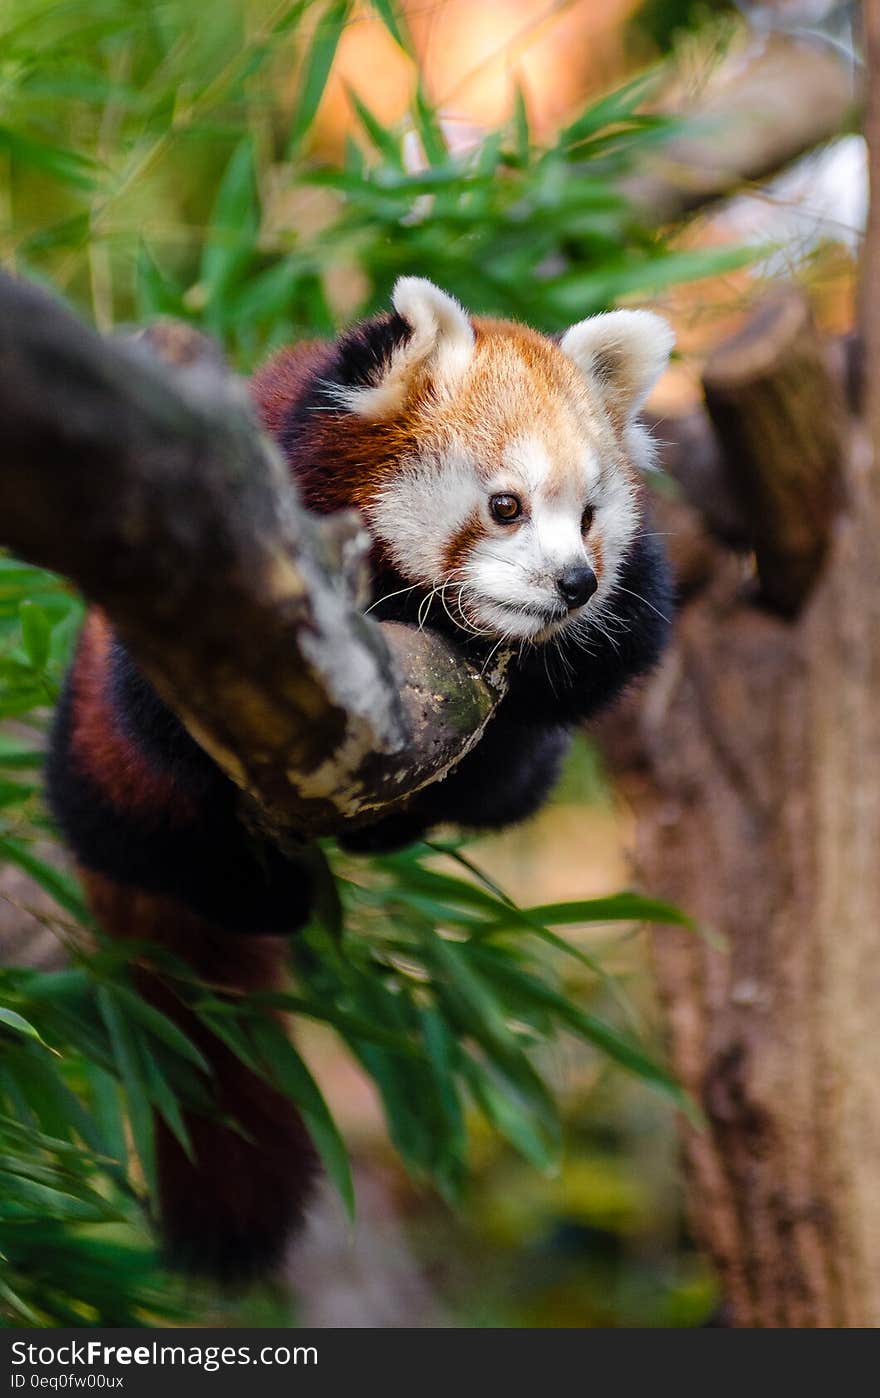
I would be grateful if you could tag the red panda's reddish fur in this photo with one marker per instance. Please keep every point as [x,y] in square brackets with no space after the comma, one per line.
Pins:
[283,379]
[233,1218]
[101,747]
[135,805]
[229,1211]
[336,469]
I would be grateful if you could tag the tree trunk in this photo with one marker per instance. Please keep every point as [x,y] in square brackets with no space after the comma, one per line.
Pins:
[755,778]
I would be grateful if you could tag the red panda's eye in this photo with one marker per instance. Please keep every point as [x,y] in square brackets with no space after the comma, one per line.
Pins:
[505,508]
[587,519]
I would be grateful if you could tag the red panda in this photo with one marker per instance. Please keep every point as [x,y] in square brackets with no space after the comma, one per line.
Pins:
[499,473]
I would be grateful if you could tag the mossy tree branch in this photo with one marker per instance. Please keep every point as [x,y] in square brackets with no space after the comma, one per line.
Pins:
[151,486]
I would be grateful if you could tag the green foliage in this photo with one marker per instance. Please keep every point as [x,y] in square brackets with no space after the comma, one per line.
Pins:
[449,996]
[164,197]
[468,990]
[664,21]
[192,192]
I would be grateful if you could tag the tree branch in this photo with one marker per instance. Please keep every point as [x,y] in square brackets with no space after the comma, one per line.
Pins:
[766,106]
[781,421]
[155,492]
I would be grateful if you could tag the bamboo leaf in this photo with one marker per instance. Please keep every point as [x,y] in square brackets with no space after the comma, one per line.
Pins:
[161,1026]
[392,17]
[444,1057]
[620,1047]
[352,1026]
[521,126]
[15,793]
[618,907]
[21,1198]
[130,1070]
[510,1118]
[61,887]
[316,68]
[263,1046]
[36,633]
[291,1076]
[165,1102]
[384,141]
[67,166]
[229,240]
[9,1019]
[15,755]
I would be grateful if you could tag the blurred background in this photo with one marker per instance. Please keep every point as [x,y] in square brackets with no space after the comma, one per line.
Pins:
[266,171]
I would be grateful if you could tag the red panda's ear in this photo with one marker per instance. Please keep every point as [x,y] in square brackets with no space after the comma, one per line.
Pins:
[623,355]
[440,342]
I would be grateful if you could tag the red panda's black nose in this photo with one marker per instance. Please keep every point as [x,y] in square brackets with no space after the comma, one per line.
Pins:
[576,585]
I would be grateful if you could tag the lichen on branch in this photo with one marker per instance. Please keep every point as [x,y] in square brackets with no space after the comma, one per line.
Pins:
[151,486]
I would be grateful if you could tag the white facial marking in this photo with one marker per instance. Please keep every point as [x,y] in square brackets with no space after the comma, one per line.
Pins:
[512,572]
[508,581]
[575,452]
[422,508]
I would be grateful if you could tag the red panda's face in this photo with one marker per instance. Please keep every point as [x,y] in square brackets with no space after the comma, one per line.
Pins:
[517,495]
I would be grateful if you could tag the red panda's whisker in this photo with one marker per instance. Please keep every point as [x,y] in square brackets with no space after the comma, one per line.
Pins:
[558,644]
[639,598]
[438,590]
[388,595]
[511,562]
[468,623]
[463,619]
[597,620]
[550,680]
[604,613]
[594,623]
[489,657]
[446,604]
[425,607]
[580,644]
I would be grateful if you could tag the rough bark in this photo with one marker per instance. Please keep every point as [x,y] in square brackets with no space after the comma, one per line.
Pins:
[781,420]
[753,765]
[153,489]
